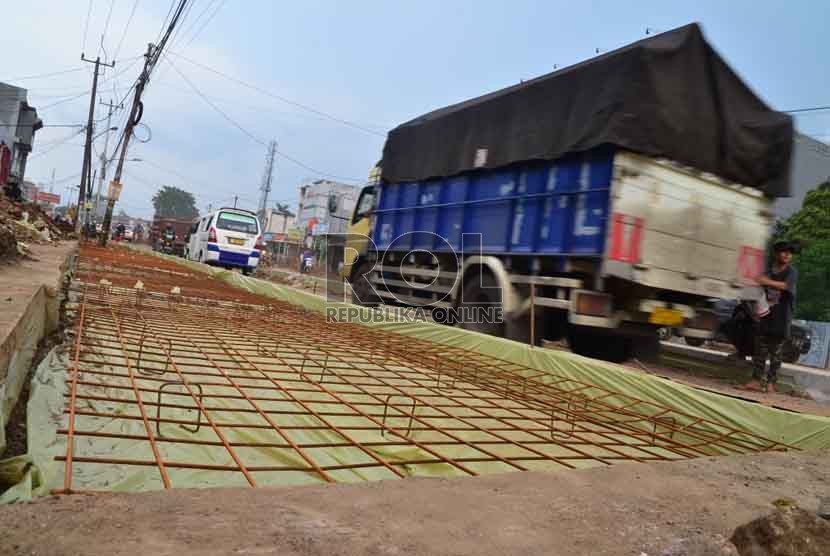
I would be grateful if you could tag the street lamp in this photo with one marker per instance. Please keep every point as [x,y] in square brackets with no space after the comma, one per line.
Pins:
[114,128]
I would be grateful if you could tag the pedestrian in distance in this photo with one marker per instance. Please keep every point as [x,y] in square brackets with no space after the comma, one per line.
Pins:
[779,284]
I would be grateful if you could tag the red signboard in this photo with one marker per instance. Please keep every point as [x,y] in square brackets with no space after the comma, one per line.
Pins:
[43,197]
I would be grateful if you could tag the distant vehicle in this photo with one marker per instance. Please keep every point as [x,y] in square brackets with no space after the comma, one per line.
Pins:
[227,237]
[180,228]
[734,327]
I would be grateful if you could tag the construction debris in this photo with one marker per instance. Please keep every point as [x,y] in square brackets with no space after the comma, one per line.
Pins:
[790,532]
[22,224]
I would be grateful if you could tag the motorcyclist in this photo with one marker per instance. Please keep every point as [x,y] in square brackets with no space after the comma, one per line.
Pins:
[169,233]
[306,261]
[119,232]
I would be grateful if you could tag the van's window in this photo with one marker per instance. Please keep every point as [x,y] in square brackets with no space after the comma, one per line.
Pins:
[237,223]
[194,228]
[207,223]
[365,204]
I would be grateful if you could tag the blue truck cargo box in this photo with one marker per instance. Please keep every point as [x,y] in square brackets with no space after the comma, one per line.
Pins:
[535,208]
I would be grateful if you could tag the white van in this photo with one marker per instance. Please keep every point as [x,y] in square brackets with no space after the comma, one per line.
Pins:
[226,237]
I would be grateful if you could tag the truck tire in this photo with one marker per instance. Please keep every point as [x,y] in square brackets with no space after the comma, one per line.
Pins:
[594,344]
[481,293]
[694,342]
[362,291]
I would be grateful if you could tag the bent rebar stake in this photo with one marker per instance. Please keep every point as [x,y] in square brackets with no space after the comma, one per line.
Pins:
[164,385]
[386,410]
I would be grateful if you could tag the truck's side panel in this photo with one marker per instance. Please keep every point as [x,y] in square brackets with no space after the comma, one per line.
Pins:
[536,208]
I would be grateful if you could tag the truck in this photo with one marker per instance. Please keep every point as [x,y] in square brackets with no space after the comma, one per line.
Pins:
[597,204]
[181,228]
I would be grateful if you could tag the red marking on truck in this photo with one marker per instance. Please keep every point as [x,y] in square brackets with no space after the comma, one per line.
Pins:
[750,263]
[626,238]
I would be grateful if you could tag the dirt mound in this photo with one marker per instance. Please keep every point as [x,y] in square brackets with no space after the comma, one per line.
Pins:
[789,532]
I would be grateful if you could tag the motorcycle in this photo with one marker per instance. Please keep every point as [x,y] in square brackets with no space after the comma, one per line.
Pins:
[308,264]
[167,244]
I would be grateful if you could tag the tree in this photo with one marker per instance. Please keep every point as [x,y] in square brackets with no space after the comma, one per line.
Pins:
[813,265]
[812,221]
[810,227]
[172,202]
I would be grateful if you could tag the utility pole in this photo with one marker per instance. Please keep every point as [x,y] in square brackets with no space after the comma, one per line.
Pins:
[111,107]
[265,188]
[134,118]
[52,185]
[235,198]
[85,171]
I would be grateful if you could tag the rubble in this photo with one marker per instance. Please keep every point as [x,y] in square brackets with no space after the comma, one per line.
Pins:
[789,532]
[22,224]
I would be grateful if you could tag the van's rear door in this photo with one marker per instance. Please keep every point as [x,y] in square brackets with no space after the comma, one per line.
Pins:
[674,229]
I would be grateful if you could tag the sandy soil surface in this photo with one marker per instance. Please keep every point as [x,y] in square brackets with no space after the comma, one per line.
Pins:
[671,509]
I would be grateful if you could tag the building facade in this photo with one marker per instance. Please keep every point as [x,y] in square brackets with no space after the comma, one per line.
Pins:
[18,124]
[278,222]
[809,167]
[313,209]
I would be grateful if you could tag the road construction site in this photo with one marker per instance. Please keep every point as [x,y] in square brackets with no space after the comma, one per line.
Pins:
[176,378]
[175,375]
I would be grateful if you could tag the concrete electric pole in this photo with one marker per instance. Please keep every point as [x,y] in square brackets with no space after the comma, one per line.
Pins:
[85,171]
[111,108]
[136,111]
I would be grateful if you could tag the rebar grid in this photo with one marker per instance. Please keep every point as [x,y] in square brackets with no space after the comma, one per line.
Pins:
[189,375]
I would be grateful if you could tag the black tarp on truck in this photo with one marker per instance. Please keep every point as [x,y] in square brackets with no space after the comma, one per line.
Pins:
[669,96]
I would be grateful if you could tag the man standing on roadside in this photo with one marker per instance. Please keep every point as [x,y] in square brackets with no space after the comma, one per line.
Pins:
[780,287]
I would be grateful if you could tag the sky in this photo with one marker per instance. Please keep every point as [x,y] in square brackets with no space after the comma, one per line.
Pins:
[299,70]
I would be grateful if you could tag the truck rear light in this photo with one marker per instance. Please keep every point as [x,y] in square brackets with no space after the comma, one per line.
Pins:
[258,245]
[593,304]
[212,235]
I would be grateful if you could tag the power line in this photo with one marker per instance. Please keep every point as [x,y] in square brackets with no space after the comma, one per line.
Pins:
[137,109]
[40,75]
[86,25]
[221,112]
[205,24]
[106,28]
[813,109]
[251,135]
[126,28]
[86,92]
[280,98]
[52,146]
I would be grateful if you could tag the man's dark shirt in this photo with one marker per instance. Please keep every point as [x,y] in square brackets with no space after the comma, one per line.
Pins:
[782,304]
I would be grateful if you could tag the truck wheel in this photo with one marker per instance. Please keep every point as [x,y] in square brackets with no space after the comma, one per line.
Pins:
[694,342]
[481,293]
[591,343]
[362,291]
[518,329]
